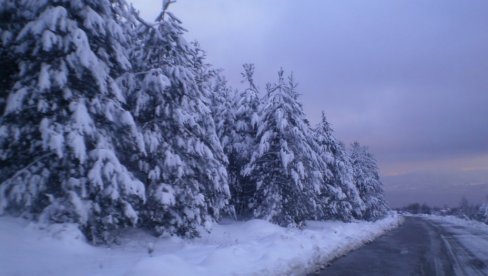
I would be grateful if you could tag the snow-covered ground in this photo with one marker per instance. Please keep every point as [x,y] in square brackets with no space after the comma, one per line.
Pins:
[466,242]
[470,233]
[254,247]
[452,221]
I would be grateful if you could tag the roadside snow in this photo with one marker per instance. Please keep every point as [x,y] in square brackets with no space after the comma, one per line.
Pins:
[455,221]
[254,247]
[470,233]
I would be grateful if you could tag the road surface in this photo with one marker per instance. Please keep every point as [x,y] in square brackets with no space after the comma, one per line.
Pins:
[419,246]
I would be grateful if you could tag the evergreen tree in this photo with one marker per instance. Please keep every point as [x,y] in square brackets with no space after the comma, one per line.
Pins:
[110,122]
[65,129]
[284,164]
[223,111]
[11,21]
[345,175]
[367,181]
[242,136]
[185,166]
[339,197]
[222,99]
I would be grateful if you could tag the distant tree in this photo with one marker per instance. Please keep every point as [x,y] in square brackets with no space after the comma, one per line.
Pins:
[425,209]
[417,208]
[413,208]
[367,181]
[465,209]
[482,214]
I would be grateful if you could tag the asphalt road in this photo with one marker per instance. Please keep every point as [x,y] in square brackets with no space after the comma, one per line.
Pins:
[418,247]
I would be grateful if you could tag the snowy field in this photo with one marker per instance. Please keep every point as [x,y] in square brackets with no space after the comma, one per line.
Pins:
[254,247]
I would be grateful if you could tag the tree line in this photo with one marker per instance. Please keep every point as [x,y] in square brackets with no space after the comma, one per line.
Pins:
[464,210]
[110,122]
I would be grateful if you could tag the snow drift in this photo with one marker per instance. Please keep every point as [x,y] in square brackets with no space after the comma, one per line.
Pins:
[254,247]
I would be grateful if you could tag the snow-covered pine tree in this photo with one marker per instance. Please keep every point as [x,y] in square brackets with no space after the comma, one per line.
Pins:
[222,99]
[185,164]
[11,21]
[240,140]
[204,73]
[284,164]
[345,174]
[339,197]
[65,130]
[223,112]
[367,180]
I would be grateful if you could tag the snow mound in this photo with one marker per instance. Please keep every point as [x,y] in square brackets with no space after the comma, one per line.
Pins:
[472,224]
[255,247]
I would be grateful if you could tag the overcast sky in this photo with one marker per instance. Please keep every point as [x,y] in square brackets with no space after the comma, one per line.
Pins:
[408,78]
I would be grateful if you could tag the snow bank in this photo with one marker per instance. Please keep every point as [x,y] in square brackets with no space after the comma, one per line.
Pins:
[254,247]
[472,224]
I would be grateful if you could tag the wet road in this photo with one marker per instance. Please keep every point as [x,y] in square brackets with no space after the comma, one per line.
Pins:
[418,247]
